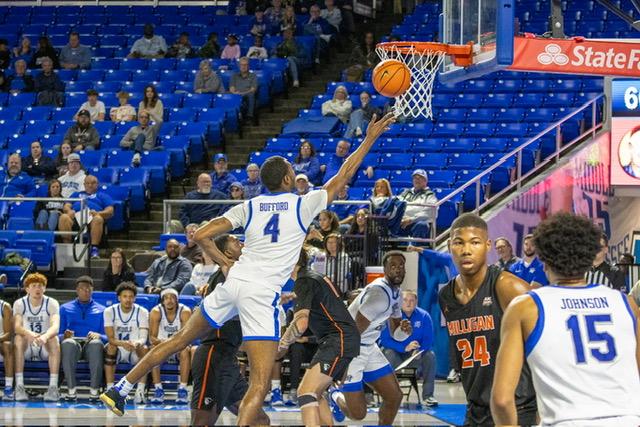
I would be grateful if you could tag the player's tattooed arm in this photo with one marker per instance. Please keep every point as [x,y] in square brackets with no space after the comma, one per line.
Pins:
[296,329]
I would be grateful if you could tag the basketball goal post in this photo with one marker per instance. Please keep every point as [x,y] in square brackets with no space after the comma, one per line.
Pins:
[482,40]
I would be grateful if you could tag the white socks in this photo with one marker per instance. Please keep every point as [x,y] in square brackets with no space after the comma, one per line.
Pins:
[183,385]
[19,379]
[53,380]
[123,387]
[159,385]
[275,384]
[8,381]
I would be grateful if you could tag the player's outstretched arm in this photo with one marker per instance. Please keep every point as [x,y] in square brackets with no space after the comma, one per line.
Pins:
[204,238]
[296,329]
[353,162]
[509,363]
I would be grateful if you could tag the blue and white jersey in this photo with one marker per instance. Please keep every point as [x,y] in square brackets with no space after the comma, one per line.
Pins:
[126,326]
[167,328]
[36,318]
[582,354]
[377,302]
[275,227]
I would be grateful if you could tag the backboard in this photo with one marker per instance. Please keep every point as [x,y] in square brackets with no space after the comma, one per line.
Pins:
[489,25]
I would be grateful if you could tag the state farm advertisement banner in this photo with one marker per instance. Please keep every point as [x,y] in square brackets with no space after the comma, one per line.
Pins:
[580,186]
[576,56]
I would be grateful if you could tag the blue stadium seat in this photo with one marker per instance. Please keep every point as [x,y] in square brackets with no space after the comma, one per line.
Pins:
[459,161]
[454,115]
[104,175]
[559,100]
[486,115]
[467,100]
[111,84]
[120,195]
[10,113]
[78,86]
[441,178]
[147,76]
[42,247]
[541,114]
[157,163]
[105,63]
[182,114]
[394,161]
[92,159]
[171,100]
[498,100]
[91,75]
[39,127]
[20,223]
[480,129]
[280,145]
[196,100]
[7,238]
[429,145]
[459,145]
[119,158]
[117,76]
[492,145]
[448,129]
[164,238]
[179,148]
[63,114]
[21,99]
[396,145]
[431,160]
[417,130]
[137,180]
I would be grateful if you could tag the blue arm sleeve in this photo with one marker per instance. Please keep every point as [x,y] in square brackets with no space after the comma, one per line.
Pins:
[387,341]
[426,341]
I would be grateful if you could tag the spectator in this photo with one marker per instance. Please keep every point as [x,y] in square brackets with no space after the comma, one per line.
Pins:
[200,276]
[48,85]
[530,268]
[191,251]
[73,180]
[337,262]
[301,351]
[421,339]
[170,271]
[363,57]
[289,20]
[289,49]
[211,48]
[62,158]
[100,207]
[417,216]
[381,193]
[125,111]
[83,135]
[23,52]
[15,182]
[207,80]
[20,81]
[344,212]
[257,50]
[601,272]
[318,27]
[258,23]
[48,213]
[40,168]
[75,56]
[624,264]
[359,224]
[328,223]
[95,108]
[332,14]
[118,270]
[306,162]
[182,48]
[82,337]
[360,118]
[506,258]
[221,178]
[339,106]
[232,49]
[336,160]
[252,185]
[302,185]
[140,138]
[245,83]
[274,15]
[152,104]
[198,213]
[149,46]
[237,191]
[45,50]
[5,55]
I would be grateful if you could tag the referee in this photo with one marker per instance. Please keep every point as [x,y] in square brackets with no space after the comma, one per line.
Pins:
[603,273]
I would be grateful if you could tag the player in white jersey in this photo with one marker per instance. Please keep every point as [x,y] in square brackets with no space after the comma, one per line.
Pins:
[580,340]
[6,347]
[275,228]
[36,322]
[165,320]
[126,325]
[378,304]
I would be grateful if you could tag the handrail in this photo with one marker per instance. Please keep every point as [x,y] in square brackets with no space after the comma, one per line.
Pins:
[476,180]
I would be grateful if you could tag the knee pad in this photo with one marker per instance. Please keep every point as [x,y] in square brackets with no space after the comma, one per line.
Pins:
[307,399]
[110,360]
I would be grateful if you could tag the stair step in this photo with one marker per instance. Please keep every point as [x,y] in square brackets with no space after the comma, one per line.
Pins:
[70,282]
[133,244]
[94,271]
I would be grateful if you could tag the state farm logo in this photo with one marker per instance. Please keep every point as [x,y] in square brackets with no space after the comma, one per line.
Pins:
[553,54]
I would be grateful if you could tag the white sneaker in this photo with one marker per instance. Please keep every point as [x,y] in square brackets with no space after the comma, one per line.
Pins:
[140,397]
[453,377]
[52,394]
[430,401]
[21,394]
[296,83]
[135,162]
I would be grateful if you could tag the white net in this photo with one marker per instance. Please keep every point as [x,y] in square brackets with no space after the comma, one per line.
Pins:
[424,66]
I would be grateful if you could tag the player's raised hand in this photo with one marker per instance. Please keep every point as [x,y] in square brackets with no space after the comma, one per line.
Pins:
[378,127]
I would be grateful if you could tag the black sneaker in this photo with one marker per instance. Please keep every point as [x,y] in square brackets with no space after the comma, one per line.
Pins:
[112,399]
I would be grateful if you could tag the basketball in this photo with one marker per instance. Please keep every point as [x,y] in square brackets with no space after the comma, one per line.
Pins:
[391,78]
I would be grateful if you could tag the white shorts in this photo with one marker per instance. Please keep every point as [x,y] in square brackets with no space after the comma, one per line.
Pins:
[126,356]
[628,420]
[255,304]
[36,353]
[369,366]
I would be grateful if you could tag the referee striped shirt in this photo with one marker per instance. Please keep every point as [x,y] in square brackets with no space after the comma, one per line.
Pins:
[605,275]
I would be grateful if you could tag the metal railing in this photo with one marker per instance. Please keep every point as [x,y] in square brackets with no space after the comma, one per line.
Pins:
[516,181]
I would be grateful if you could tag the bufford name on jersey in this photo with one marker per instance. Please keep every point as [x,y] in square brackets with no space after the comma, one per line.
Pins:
[274,207]
[578,303]
[471,324]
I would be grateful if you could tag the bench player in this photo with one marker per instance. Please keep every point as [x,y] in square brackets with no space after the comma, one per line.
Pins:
[473,304]
[126,325]
[165,320]
[275,228]
[319,307]
[378,304]
[6,348]
[36,322]
[581,340]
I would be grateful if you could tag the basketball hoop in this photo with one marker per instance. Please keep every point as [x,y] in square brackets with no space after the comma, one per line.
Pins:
[424,59]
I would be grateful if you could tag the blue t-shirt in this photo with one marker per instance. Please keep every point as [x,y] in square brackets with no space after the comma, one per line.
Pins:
[333,166]
[422,331]
[82,318]
[95,202]
[534,272]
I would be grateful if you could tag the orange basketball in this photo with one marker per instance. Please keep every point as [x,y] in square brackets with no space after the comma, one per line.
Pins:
[391,78]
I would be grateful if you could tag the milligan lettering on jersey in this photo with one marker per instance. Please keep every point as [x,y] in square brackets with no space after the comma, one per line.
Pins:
[167,329]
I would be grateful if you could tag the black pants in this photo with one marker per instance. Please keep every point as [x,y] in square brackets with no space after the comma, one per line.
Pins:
[299,354]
